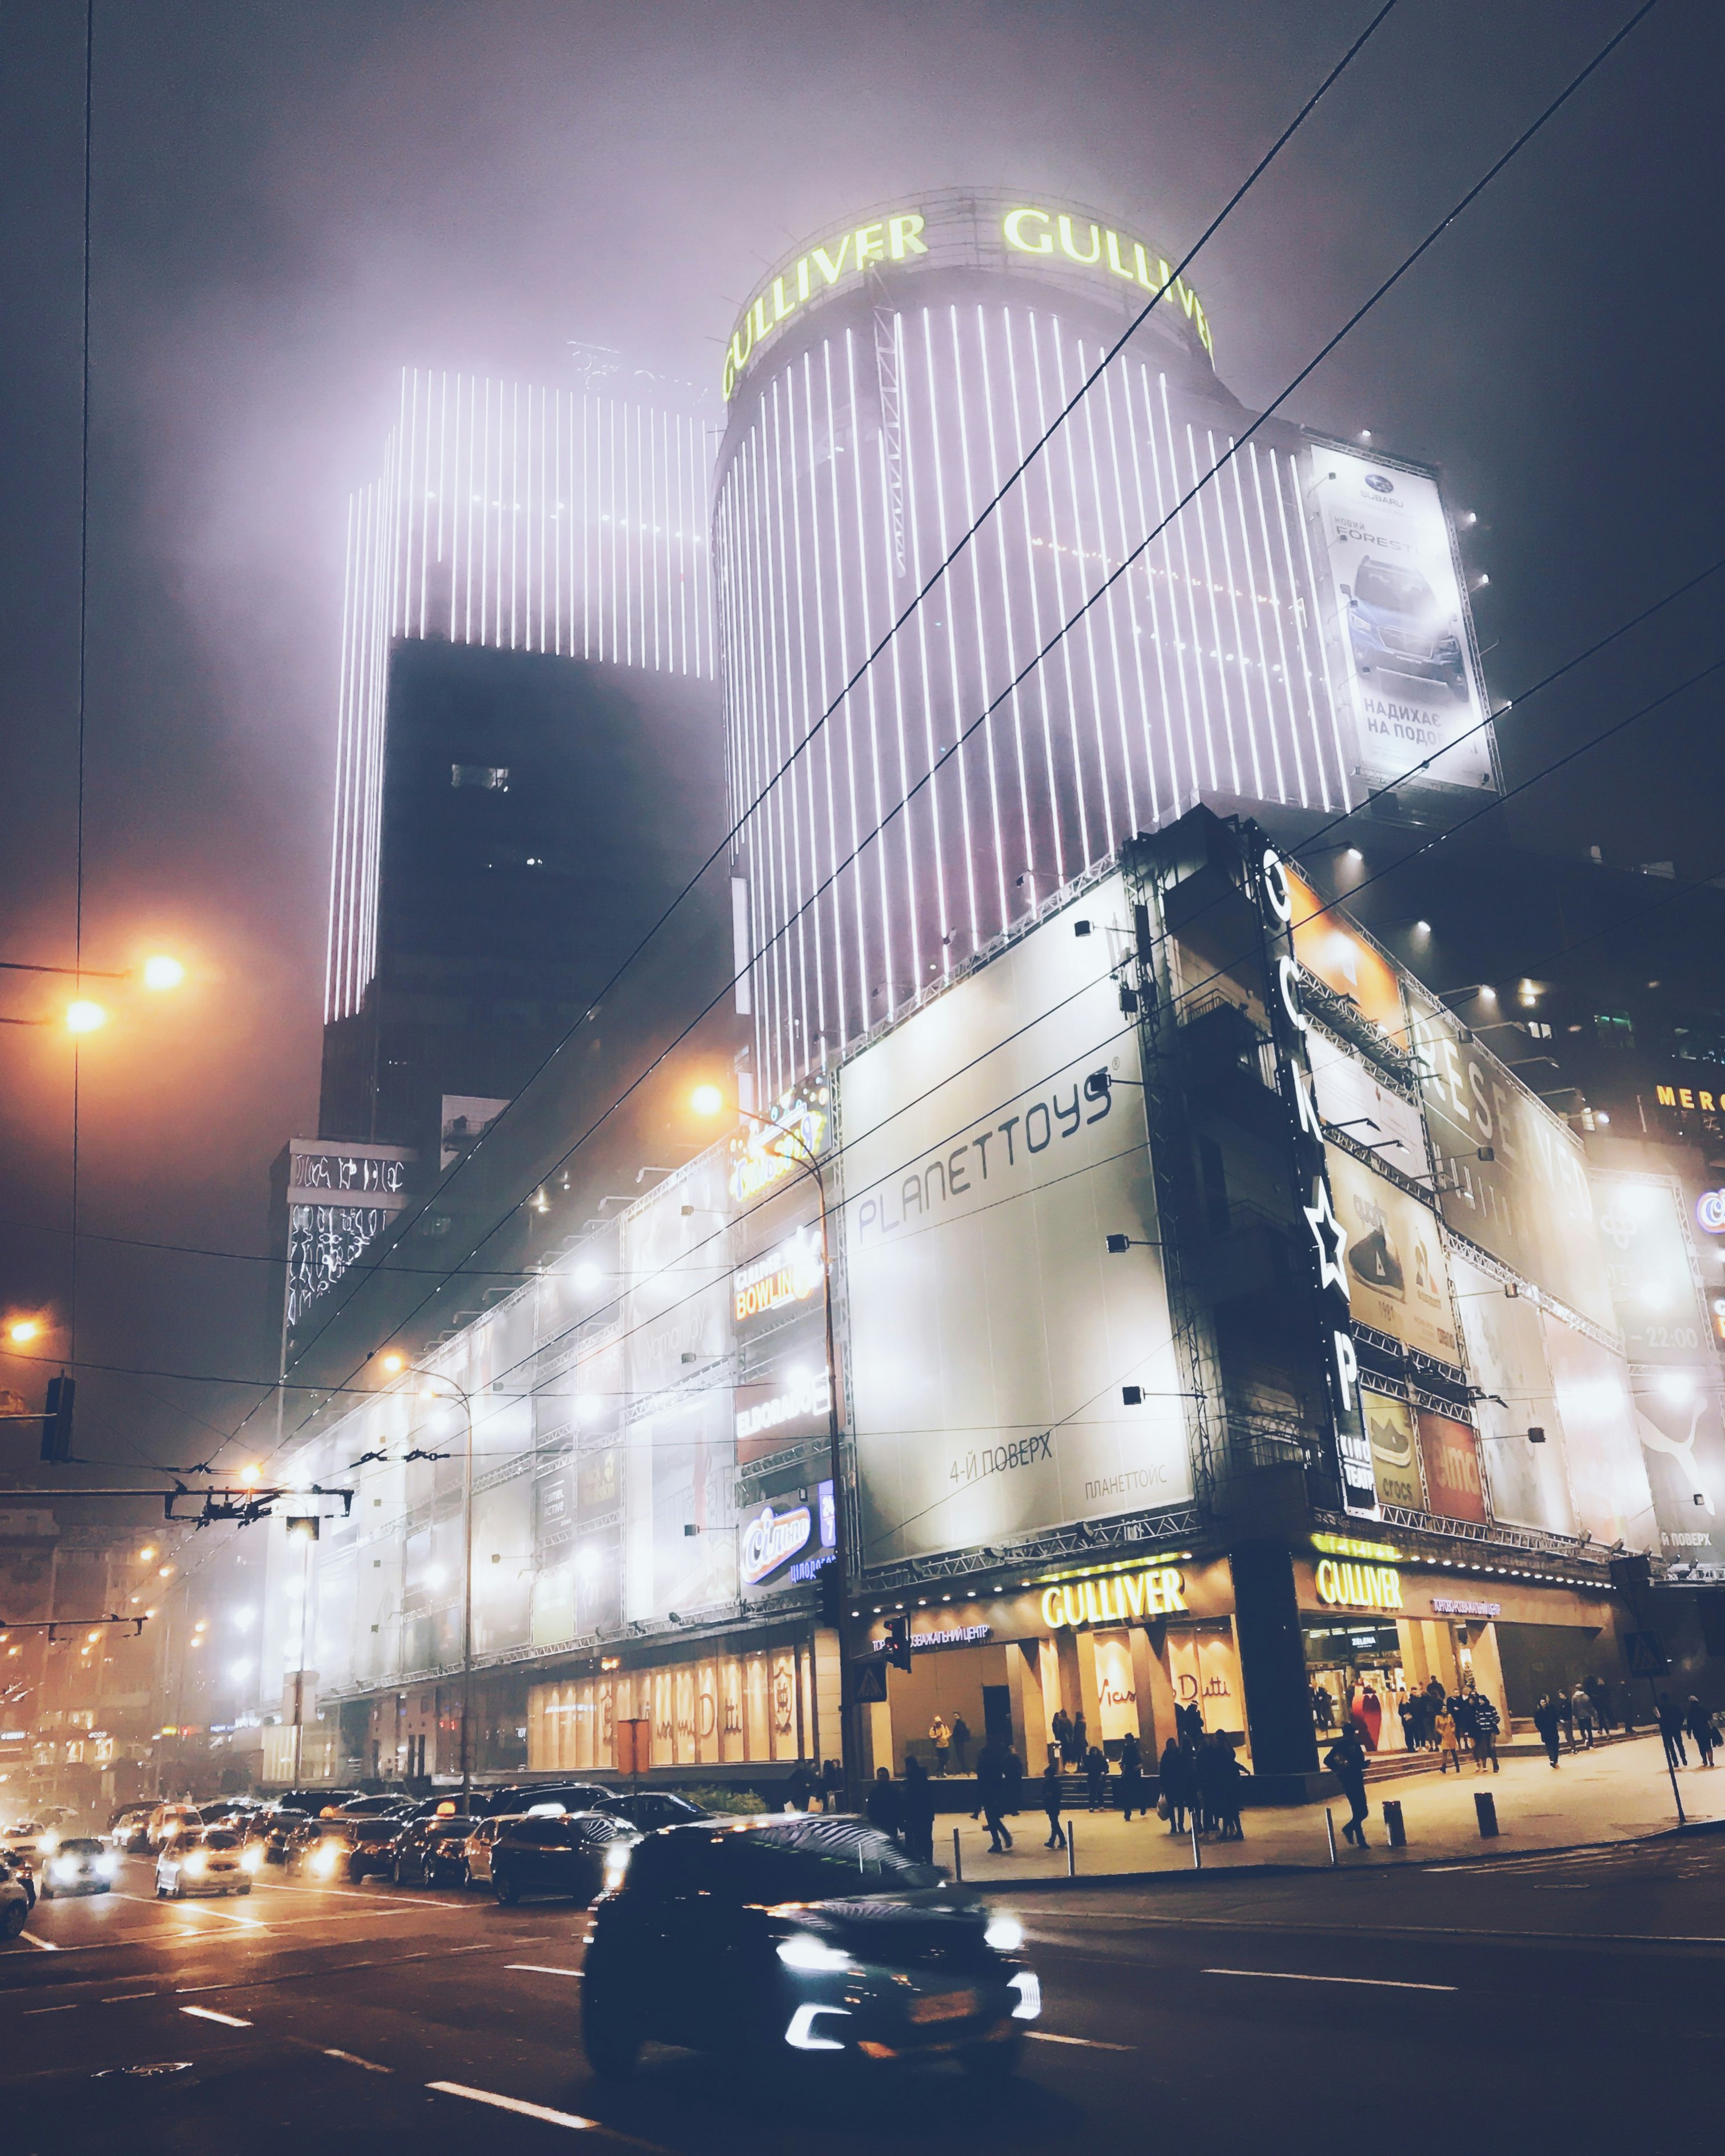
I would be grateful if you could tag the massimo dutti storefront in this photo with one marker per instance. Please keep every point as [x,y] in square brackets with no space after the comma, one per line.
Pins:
[1122,1643]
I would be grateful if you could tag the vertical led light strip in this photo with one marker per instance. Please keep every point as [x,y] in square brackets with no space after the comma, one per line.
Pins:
[947,599]
[1033,329]
[830,902]
[1128,585]
[999,521]
[1203,508]
[1219,490]
[1343,790]
[1068,433]
[976,557]
[1034,583]
[870,691]
[1104,566]
[1282,641]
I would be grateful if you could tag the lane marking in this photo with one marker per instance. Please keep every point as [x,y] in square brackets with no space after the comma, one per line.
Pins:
[541,1969]
[209,2014]
[1303,1976]
[47,1946]
[72,2009]
[353,2058]
[116,1998]
[1089,2043]
[569,2119]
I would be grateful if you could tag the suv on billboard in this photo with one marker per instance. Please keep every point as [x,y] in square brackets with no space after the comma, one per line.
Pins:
[1394,622]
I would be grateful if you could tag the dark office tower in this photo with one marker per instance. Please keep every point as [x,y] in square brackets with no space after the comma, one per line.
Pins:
[527,682]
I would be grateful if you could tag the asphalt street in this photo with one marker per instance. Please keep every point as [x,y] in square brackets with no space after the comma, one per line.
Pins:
[1487,2005]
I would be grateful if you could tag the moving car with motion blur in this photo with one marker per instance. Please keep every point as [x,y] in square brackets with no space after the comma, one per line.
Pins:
[80,1865]
[168,1821]
[272,1831]
[129,1830]
[563,1853]
[210,1860]
[796,1935]
[650,1809]
[327,1850]
[433,1852]
[374,1836]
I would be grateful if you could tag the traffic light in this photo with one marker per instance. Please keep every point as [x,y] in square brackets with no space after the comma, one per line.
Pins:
[829,1585]
[897,1649]
[57,1423]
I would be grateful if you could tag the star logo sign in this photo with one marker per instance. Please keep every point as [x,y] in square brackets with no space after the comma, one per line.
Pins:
[1331,1238]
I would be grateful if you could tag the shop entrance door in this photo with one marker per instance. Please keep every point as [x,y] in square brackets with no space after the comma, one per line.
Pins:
[997,1715]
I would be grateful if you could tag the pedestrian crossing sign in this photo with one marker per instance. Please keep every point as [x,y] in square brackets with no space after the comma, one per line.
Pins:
[1646,1656]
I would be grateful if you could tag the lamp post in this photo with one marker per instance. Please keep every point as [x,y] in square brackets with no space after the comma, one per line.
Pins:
[707,1099]
[394,1364]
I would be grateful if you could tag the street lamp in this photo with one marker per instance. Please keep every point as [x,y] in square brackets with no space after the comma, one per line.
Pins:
[395,1363]
[707,1099]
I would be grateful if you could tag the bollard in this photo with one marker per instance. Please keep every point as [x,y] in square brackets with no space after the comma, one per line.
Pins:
[1330,1834]
[1485,1805]
[1392,1810]
[957,1860]
[1071,1850]
[1197,1853]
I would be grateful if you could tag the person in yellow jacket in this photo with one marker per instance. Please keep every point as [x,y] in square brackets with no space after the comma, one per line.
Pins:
[940,1737]
[1449,1753]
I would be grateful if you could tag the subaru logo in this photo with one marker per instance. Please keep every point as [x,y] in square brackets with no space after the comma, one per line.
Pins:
[1379,484]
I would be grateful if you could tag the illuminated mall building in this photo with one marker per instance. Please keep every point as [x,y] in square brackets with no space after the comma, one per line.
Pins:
[884,383]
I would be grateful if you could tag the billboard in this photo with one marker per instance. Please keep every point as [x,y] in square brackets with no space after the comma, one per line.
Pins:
[1674,1379]
[1398,1274]
[1407,659]
[1512,1177]
[1505,1348]
[1607,1478]
[1450,1455]
[1396,1464]
[1351,1094]
[990,1332]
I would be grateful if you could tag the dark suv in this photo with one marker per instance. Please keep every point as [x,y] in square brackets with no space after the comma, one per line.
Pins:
[800,1934]
[555,1853]
[431,1852]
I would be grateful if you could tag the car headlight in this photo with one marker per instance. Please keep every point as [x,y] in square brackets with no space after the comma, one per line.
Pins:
[107,1865]
[49,1841]
[251,1858]
[617,1858]
[64,1868]
[802,1951]
[1029,1992]
[1004,1932]
[195,1862]
[326,1859]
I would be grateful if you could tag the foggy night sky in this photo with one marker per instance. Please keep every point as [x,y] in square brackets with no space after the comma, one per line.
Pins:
[292,201]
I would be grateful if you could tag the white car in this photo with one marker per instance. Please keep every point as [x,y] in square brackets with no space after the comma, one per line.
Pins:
[478,1848]
[212,1859]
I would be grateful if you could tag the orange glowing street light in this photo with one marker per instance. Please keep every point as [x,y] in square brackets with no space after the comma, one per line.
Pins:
[84,1016]
[159,971]
[21,1331]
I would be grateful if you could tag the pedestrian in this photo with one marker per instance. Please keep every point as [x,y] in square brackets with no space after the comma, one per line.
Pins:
[940,1738]
[1699,1722]
[1449,1744]
[1670,1728]
[1173,1786]
[1081,1739]
[1060,1730]
[1461,1708]
[1600,1692]
[1346,1760]
[832,1786]
[798,1788]
[991,1790]
[1566,1716]
[961,1744]
[1408,1714]
[1096,1778]
[1189,1726]
[1131,1776]
[918,1812]
[1436,1699]
[1207,1779]
[1487,1723]
[1546,1721]
[882,1805]
[1053,1797]
[1226,1776]
[1324,1709]
[1012,1783]
[1581,1712]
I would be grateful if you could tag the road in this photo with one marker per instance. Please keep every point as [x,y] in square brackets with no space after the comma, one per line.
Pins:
[1448,2007]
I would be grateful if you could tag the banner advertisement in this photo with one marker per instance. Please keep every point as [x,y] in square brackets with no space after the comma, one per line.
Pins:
[1350,1094]
[1505,1349]
[1512,1177]
[1405,650]
[1395,1466]
[1450,1454]
[1674,1380]
[1331,949]
[991,1333]
[1608,1478]
[1398,1276]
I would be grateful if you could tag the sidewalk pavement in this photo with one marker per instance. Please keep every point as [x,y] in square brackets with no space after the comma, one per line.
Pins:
[1612,1794]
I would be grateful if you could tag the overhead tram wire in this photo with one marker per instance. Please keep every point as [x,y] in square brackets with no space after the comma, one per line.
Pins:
[83,652]
[1528,134]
